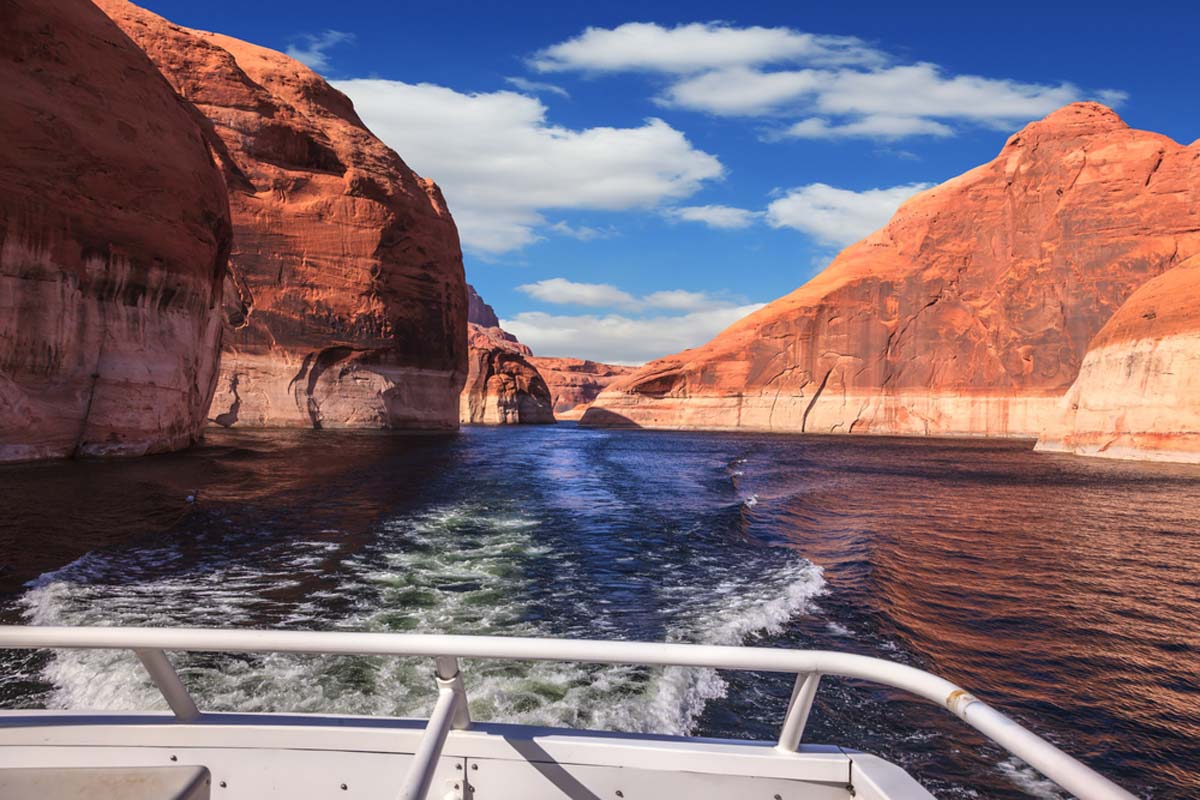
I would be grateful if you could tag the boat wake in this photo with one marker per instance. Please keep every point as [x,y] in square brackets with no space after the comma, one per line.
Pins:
[465,568]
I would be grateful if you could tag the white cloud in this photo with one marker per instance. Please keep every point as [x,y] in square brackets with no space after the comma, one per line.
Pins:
[620,339]
[312,52]
[696,46]
[501,163]
[922,90]
[564,292]
[834,86]
[742,91]
[889,103]
[561,291]
[876,126]
[683,300]
[838,217]
[714,216]
[536,87]
[583,233]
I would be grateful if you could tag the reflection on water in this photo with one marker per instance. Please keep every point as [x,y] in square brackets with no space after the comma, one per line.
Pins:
[1062,590]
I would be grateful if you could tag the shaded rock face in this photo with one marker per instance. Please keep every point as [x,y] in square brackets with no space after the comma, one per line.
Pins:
[503,387]
[480,312]
[968,314]
[1138,391]
[346,300]
[574,383]
[114,237]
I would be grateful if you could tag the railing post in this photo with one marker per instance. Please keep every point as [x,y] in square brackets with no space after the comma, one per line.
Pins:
[798,709]
[449,677]
[167,680]
[448,712]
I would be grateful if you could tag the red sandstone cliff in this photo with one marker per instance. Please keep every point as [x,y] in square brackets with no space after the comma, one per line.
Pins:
[114,237]
[1138,391]
[480,312]
[574,383]
[503,387]
[346,298]
[969,313]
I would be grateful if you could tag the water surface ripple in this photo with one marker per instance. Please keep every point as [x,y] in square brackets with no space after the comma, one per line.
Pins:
[1064,591]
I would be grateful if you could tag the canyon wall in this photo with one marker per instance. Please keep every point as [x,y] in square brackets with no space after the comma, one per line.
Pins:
[507,384]
[1138,391]
[479,312]
[346,302]
[968,314]
[503,387]
[114,238]
[574,383]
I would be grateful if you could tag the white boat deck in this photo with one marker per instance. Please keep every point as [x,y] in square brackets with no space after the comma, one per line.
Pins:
[448,756]
[268,756]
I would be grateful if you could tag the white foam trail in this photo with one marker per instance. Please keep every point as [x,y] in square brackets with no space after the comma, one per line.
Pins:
[1029,780]
[838,629]
[461,569]
[725,614]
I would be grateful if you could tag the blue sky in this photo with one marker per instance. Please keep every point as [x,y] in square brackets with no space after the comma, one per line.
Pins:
[629,178]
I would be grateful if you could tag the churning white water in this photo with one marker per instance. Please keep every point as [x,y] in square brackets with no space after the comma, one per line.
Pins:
[463,569]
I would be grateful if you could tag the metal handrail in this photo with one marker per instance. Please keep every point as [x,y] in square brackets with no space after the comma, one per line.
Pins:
[807,665]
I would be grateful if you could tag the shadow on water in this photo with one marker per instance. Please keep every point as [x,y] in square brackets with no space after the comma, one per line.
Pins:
[297,480]
[1062,590]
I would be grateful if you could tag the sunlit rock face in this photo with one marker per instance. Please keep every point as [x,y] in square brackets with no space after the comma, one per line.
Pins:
[574,383]
[968,314]
[346,300]
[1138,391]
[114,238]
[503,387]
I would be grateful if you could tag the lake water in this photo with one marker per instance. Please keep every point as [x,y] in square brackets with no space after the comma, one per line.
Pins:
[1064,591]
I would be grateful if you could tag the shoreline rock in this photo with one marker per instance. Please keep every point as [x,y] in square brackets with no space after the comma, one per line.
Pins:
[1138,392]
[575,382]
[114,240]
[346,299]
[503,387]
[969,314]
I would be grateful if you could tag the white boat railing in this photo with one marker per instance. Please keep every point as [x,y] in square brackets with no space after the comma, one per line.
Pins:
[450,710]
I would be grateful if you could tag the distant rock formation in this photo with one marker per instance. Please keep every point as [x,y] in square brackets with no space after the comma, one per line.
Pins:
[574,383]
[346,300]
[503,387]
[114,238]
[1138,391]
[480,312]
[968,314]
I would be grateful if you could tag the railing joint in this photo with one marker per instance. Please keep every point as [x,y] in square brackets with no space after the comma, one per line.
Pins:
[167,680]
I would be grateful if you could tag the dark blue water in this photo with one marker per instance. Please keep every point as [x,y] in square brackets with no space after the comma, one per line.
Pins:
[1064,591]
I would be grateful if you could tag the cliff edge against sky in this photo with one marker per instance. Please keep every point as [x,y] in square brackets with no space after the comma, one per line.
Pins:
[969,314]
[346,299]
